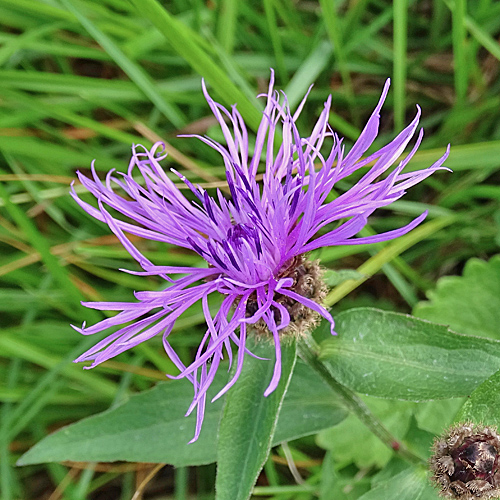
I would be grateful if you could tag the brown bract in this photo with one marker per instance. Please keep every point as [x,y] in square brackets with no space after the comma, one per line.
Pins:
[465,462]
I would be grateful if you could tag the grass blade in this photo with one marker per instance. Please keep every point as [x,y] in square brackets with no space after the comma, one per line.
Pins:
[182,40]
[134,72]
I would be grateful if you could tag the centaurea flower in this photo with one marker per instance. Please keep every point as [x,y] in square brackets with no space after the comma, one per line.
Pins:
[254,241]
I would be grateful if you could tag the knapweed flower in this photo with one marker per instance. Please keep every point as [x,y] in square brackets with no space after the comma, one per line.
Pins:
[254,241]
[465,462]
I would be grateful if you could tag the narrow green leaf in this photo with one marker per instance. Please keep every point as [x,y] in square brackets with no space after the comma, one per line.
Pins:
[76,85]
[41,9]
[393,355]
[18,42]
[53,47]
[103,388]
[479,156]
[13,301]
[58,157]
[275,40]
[226,24]
[459,38]
[336,35]
[305,76]
[135,72]
[400,57]
[41,244]
[6,472]
[483,37]
[151,426]
[60,112]
[249,421]
[182,40]
[389,252]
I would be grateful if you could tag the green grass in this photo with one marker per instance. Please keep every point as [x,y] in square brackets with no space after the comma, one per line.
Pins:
[83,79]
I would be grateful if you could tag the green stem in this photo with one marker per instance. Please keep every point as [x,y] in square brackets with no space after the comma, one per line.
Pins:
[308,351]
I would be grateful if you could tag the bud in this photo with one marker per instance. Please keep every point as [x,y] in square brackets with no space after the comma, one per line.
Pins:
[465,462]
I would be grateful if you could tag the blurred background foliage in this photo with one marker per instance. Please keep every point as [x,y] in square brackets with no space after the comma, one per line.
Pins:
[84,79]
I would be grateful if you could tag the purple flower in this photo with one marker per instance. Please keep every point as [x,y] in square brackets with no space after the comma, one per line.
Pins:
[254,242]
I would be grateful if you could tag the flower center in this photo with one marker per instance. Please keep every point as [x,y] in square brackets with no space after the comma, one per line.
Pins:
[307,281]
[465,462]
[239,234]
[474,460]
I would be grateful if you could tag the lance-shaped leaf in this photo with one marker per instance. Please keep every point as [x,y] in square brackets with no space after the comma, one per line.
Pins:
[151,426]
[249,421]
[393,355]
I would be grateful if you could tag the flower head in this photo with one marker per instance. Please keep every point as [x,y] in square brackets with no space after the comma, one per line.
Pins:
[465,462]
[254,241]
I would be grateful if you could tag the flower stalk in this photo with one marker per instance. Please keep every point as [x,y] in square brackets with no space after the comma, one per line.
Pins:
[308,352]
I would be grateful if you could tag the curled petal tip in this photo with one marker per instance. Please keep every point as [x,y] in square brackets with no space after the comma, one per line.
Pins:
[217,396]
[195,438]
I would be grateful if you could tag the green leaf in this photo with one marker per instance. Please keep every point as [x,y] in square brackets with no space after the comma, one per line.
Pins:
[309,70]
[469,304]
[419,441]
[386,255]
[183,40]
[134,71]
[393,355]
[339,485]
[410,484]
[435,416]
[249,421]
[12,300]
[478,156]
[309,406]
[40,243]
[483,406]
[61,157]
[151,426]
[352,442]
